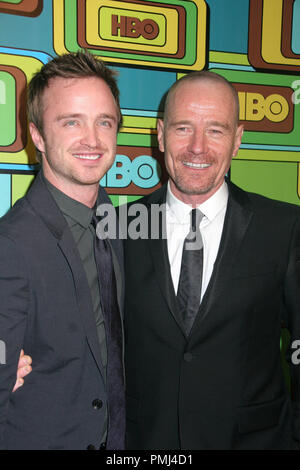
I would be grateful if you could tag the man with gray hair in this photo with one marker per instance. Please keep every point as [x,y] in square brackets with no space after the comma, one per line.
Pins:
[203,326]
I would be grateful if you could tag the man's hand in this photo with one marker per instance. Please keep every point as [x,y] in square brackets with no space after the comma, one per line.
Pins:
[24,368]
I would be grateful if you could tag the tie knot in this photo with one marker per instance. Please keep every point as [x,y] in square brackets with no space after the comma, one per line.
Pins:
[196,217]
[101,230]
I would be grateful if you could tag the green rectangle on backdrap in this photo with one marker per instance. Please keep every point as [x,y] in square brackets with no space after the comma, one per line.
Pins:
[7,108]
[277,180]
[137,140]
[12,1]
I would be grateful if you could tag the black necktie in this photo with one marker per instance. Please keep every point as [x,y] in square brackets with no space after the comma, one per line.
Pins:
[113,328]
[190,280]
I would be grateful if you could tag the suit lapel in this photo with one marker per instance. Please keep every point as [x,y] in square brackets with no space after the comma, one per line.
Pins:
[159,254]
[237,219]
[84,301]
[44,205]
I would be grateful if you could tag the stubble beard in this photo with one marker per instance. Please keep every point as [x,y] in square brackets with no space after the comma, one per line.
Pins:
[191,190]
[186,185]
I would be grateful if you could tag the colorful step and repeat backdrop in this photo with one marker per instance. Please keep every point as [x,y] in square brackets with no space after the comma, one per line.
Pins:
[253,43]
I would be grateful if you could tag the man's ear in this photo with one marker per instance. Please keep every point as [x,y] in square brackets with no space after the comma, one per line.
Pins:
[37,137]
[160,135]
[238,139]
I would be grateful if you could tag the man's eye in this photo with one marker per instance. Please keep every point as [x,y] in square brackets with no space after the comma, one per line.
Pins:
[216,131]
[70,123]
[105,123]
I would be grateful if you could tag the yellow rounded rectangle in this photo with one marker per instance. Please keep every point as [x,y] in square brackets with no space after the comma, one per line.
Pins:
[271,34]
[99,18]
[115,24]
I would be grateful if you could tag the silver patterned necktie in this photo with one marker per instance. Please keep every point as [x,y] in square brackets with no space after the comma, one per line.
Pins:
[190,280]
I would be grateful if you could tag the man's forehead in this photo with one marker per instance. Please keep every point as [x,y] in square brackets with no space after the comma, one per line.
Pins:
[68,82]
[196,93]
[56,86]
[60,90]
[205,86]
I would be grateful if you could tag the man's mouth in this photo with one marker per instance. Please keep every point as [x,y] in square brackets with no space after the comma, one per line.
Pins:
[196,166]
[87,157]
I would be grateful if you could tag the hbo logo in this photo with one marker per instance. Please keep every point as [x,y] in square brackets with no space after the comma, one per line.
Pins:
[144,171]
[132,27]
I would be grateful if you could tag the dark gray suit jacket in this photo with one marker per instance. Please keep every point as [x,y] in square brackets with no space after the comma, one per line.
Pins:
[223,386]
[46,309]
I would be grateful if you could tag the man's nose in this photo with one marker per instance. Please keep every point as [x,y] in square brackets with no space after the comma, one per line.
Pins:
[90,136]
[197,142]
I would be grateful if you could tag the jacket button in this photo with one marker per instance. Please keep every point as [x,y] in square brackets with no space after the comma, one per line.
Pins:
[188,357]
[97,404]
[91,447]
[102,446]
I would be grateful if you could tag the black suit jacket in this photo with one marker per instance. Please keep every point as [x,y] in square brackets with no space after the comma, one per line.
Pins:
[46,309]
[223,386]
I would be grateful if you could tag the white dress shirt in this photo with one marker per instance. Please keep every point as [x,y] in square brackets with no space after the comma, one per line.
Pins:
[211,226]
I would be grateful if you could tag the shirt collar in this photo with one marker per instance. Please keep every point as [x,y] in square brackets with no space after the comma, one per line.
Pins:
[210,208]
[78,212]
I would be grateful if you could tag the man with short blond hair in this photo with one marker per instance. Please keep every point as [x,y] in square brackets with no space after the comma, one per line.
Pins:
[61,288]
